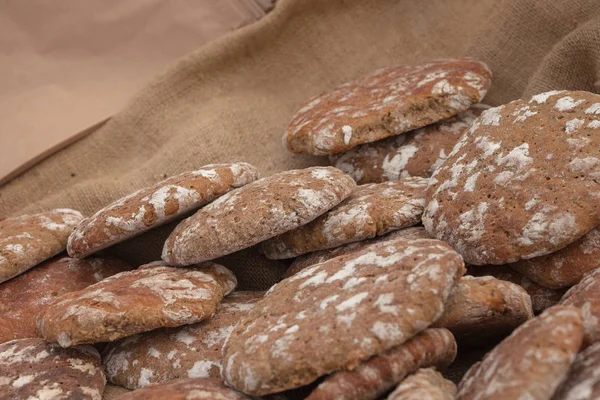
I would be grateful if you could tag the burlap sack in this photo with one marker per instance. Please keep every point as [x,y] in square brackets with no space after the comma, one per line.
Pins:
[232,99]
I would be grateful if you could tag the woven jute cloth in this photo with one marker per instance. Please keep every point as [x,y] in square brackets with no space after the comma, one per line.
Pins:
[232,100]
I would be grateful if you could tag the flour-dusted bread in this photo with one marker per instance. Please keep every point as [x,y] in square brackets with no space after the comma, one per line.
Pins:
[190,351]
[388,102]
[153,296]
[27,240]
[256,212]
[306,260]
[156,205]
[507,191]
[186,389]
[541,297]
[531,362]
[27,295]
[34,370]
[481,309]
[370,211]
[426,383]
[377,375]
[415,153]
[586,296]
[565,267]
[338,313]
[583,379]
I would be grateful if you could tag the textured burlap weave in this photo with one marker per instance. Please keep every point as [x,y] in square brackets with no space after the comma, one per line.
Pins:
[231,100]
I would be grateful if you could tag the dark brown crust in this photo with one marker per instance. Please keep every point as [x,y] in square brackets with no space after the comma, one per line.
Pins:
[583,379]
[531,362]
[27,240]
[565,267]
[586,296]
[190,351]
[185,389]
[156,205]
[424,384]
[484,308]
[370,211]
[356,306]
[320,256]
[388,102]
[257,212]
[34,369]
[523,182]
[151,297]
[415,153]
[24,297]
[375,376]
[541,297]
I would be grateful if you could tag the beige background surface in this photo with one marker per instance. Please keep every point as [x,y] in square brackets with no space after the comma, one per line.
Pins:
[66,65]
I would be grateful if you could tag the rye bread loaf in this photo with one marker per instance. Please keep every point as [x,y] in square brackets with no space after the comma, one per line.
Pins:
[156,205]
[355,306]
[531,362]
[586,296]
[377,375]
[27,240]
[34,370]
[565,267]
[256,212]
[482,309]
[507,190]
[415,153]
[370,211]
[190,351]
[426,383]
[541,297]
[388,102]
[583,380]
[186,389]
[306,260]
[27,295]
[153,296]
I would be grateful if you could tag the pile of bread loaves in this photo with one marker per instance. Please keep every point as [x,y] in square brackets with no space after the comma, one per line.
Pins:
[377,297]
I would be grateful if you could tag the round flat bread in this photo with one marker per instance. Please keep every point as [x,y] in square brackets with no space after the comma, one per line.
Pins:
[426,383]
[507,190]
[541,297]
[415,153]
[256,212]
[583,379]
[386,103]
[306,260]
[156,205]
[484,308]
[190,351]
[356,306]
[565,267]
[370,211]
[377,375]
[531,362]
[586,296]
[186,389]
[24,297]
[150,297]
[33,369]
[27,240]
